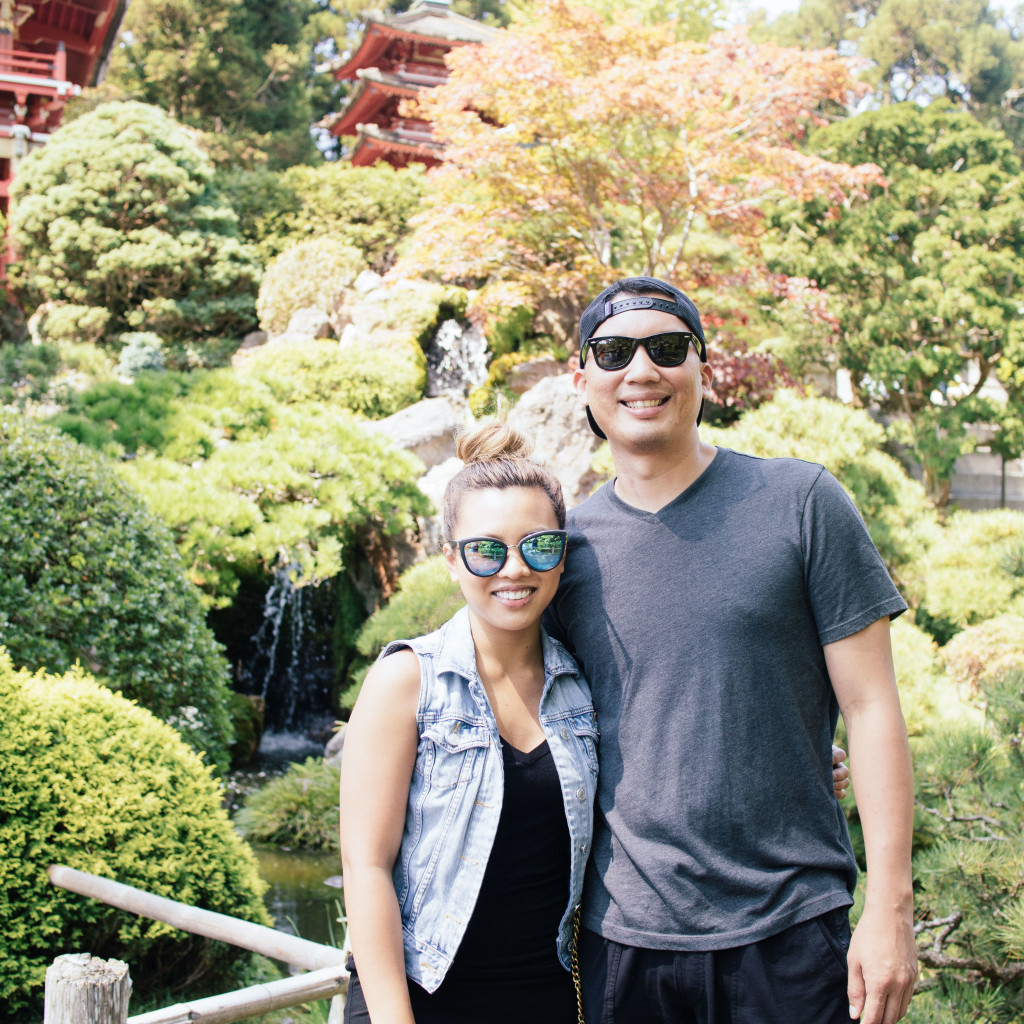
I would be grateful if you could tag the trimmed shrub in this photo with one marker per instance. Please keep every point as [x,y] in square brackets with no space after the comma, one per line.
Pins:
[312,274]
[970,572]
[90,575]
[89,780]
[373,380]
[367,208]
[26,371]
[119,212]
[143,350]
[299,808]
[66,322]
[987,653]
[426,597]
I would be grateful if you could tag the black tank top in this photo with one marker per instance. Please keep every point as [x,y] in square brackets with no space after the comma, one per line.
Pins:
[506,970]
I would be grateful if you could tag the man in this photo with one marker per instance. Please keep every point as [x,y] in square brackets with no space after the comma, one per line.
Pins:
[725,609]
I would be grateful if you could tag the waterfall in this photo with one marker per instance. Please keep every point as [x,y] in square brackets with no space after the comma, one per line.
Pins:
[456,359]
[290,663]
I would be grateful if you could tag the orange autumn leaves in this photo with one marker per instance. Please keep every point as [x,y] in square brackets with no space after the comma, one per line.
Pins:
[580,151]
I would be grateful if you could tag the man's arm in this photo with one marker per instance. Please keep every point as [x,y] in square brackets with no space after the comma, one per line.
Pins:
[883,953]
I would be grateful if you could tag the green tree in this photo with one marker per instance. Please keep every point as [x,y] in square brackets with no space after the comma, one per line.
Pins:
[924,278]
[90,780]
[967,50]
[90,575]
[238,70]
[118,213]
[969,864]
[250,485]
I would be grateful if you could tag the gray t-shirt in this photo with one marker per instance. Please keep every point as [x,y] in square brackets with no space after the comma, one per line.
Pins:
[700,628]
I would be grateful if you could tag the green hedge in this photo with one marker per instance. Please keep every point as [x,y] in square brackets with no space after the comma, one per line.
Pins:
[90,575]
[89,780]
[370,379]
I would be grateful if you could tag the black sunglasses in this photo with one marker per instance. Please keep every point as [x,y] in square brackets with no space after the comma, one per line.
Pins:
[484,556]
[667,349]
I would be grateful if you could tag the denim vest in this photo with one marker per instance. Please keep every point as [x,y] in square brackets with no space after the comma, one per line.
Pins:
[458,785]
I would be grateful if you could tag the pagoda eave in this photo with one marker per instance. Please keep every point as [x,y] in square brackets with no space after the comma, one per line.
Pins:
[373,146]
[375,42]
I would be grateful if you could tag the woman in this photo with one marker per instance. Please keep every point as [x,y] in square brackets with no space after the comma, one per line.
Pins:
[469,773]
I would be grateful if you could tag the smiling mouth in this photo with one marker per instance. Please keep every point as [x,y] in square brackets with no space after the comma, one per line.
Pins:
[645,403]
[513,595]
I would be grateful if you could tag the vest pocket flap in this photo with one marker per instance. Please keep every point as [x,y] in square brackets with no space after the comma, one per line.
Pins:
[456,735]
[585,725]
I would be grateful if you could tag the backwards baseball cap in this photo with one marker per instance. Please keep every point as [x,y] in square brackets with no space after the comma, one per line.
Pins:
[605,306]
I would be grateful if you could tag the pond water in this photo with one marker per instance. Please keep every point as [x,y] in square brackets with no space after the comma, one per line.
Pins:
[304,896]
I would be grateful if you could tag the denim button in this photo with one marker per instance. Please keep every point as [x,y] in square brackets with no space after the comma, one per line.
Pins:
[581,793]
[565,733]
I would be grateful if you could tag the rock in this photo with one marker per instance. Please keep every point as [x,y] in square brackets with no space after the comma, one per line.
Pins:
[552,414]
[335,745]
[349,334]
[433,485]
[524,376]
[426,429]
[307,323]
[366,282]
[253,340]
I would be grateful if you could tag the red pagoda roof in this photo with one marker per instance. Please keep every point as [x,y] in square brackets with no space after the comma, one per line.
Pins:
[376,91]
[398,146]
[429,22]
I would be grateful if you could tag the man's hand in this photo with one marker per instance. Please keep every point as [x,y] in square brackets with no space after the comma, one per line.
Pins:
[840,773]
[882,966]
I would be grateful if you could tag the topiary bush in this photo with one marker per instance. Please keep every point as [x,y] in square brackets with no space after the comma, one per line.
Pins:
[367,208]
[970,572]
[426,597]
[373,380]
[986,653]
[89,780]
[143,350]
[299,808]
[313,273]
[119,212]
[90,575]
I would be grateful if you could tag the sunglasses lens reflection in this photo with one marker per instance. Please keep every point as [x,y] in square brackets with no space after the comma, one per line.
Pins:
[543,551]
[485,557]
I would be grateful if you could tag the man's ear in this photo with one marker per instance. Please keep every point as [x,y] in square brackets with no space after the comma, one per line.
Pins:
[579,382]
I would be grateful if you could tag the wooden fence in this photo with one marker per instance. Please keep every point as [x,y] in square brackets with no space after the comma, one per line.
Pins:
[81,989]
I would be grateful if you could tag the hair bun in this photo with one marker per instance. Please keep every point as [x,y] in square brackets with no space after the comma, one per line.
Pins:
[491,442]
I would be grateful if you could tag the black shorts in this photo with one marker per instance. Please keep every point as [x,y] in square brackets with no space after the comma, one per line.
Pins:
[795,977]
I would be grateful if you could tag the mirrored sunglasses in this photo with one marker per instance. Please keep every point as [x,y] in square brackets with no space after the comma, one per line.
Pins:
[541,551]
[669,349]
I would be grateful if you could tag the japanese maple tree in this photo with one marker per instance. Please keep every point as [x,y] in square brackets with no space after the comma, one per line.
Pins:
[581,151]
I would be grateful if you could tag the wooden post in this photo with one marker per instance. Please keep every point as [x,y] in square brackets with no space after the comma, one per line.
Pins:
[82,989]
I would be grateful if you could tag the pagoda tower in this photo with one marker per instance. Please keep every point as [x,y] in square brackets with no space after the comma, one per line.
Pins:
[398,56]
[49,50]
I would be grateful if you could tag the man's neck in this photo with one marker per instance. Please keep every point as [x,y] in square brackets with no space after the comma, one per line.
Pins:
[650,480]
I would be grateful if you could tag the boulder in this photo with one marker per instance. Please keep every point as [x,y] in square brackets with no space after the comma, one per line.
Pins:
[307,323]
[427,429]
[551,413]
[366,282]
[335,745]
[433,485]
[524,376]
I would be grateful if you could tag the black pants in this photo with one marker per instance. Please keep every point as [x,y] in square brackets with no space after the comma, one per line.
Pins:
[795,977]
[548,1000]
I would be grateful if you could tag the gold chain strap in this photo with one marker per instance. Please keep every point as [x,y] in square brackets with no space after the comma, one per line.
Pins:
[576,965]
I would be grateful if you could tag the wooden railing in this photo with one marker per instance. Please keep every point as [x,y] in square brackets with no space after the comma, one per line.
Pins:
[85,990]
[35,65]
